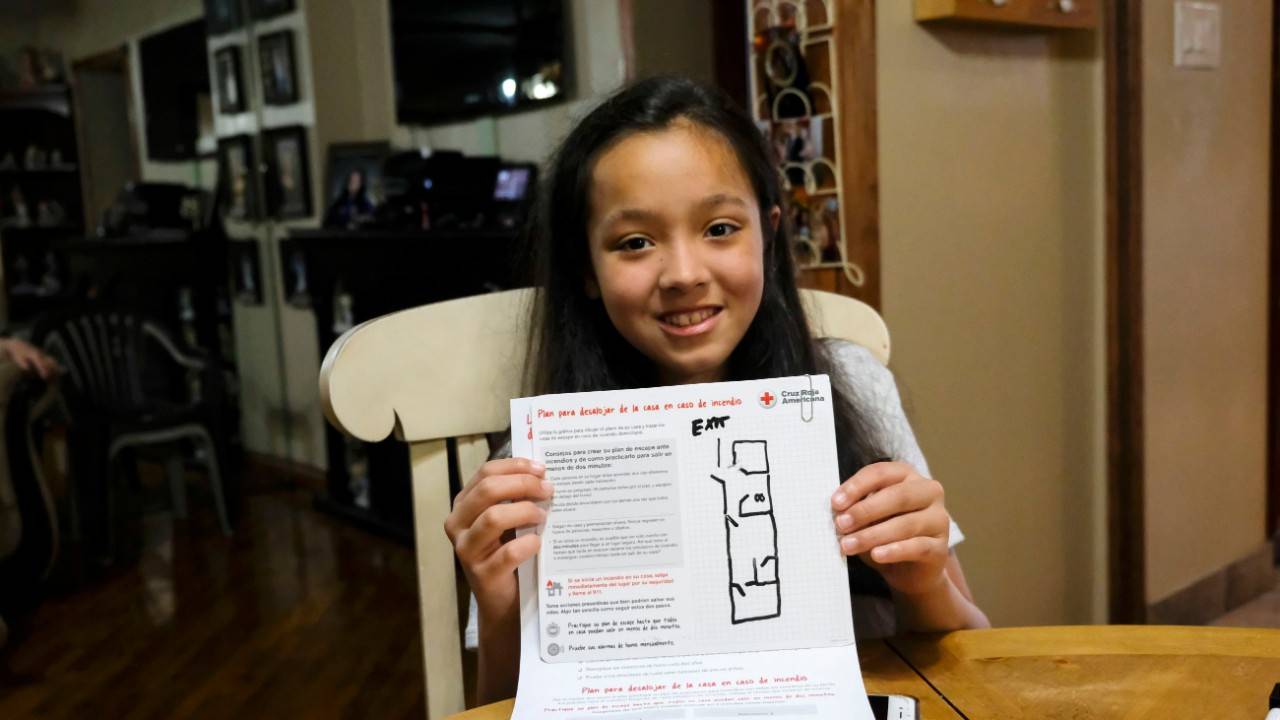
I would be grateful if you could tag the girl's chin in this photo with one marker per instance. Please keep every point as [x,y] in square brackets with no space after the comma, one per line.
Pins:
[692,373]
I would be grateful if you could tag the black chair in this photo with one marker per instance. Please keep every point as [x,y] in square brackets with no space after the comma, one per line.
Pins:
[127,385]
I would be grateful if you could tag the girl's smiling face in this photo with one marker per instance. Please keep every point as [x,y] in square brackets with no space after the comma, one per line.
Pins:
[677,248]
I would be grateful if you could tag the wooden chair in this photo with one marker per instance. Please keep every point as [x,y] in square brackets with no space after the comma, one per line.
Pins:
[448,370]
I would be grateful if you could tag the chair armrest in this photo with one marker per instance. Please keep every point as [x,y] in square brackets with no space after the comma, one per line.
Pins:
[188,360]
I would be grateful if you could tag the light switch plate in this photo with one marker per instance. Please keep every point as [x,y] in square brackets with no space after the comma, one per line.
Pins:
[1197,34]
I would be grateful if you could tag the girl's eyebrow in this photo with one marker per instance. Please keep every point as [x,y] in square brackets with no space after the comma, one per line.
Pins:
[721,199]
[640,214]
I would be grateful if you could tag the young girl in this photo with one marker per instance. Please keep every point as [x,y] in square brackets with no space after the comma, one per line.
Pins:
[658,247]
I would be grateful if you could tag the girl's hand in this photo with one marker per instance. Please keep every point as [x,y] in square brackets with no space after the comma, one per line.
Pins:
[894,518]
[499,499]
[29,357]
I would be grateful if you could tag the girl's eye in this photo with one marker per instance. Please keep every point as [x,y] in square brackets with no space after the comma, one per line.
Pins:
[722,229]
[634,243]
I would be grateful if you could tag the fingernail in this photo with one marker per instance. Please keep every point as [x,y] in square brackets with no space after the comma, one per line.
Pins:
[844,522]
[537,466]
[880,553]
[546,488]
[849,544]
[840,499]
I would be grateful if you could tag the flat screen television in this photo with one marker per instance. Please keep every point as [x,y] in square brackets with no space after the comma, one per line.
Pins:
[458,60]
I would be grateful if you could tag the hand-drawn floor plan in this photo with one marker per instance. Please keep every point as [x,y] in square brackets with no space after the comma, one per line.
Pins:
[751,532]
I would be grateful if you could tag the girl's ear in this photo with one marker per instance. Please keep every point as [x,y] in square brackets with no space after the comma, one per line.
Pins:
[775,217]
[591,287]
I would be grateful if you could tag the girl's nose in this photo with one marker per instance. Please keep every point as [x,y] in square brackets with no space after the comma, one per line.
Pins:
[683,267]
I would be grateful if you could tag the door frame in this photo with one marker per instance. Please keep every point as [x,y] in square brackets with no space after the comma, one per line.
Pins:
[115,60]
[1126,527]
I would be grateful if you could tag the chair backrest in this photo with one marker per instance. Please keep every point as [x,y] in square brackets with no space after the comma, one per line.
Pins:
[111,358]
[448,370]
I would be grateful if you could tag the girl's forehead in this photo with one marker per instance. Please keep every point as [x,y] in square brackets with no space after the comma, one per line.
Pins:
[680,158]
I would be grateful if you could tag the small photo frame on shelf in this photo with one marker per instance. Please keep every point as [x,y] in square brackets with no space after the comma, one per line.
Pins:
[222,16]
[263,9]
[797,141]
[236,167]
[353,183]
[246,272]
[279,75]
[785,73]
[288,176]
[226,65]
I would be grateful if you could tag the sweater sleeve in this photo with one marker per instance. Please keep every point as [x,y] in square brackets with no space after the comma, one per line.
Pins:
[877,394]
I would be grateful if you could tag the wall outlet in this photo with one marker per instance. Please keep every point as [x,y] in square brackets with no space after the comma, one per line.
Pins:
[1197,34]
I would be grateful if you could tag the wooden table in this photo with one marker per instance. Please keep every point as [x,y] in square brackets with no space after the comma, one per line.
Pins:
[1082,673]
[882,672]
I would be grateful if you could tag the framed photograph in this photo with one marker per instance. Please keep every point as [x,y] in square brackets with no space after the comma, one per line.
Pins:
[246,272]
[236,166]
[222,16]
[279,76]
[263,9]
[226,65]
[354,183]
[288,174]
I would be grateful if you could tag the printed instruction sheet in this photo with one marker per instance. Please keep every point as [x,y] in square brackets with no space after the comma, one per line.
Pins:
[689,565]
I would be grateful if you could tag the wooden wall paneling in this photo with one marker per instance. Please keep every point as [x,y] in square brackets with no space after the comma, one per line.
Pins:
[855,34]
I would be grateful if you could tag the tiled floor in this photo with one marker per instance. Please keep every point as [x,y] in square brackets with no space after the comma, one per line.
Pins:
[1263,611]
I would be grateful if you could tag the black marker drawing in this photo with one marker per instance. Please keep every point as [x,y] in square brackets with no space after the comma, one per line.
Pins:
[751,533]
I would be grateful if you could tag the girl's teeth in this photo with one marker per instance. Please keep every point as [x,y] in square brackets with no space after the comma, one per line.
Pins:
[686,319]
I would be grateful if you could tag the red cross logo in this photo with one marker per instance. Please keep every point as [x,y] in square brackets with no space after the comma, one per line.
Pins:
[767,400]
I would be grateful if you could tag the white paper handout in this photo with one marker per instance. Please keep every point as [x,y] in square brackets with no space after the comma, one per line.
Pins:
[689,566]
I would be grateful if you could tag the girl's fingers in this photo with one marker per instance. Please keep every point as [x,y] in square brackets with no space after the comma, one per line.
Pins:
[868,480]
[507,558]
[490,491]
[505,466]
[914,493]
[902,527]
[486,532]
[916,549]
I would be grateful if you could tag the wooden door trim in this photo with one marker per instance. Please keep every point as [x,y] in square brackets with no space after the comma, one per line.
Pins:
[1273,292]
[1126,534]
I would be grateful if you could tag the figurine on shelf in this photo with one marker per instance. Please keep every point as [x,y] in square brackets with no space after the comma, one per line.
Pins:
[50,213]
[50,281]
[299,295]
[18,214]
[35,158]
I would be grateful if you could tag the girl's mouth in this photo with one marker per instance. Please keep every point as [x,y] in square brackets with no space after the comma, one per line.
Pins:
[689,322]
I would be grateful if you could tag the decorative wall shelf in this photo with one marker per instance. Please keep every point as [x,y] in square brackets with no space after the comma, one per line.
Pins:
[1044,14]
[813,96]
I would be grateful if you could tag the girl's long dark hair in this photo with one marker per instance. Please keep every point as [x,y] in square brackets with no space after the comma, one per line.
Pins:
[575,347]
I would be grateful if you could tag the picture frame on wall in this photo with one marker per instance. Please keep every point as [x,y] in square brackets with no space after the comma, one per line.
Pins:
[288,173]
[354,188]
[222,16]
[279,74]
[263,9]
[236,167]
[226,65]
